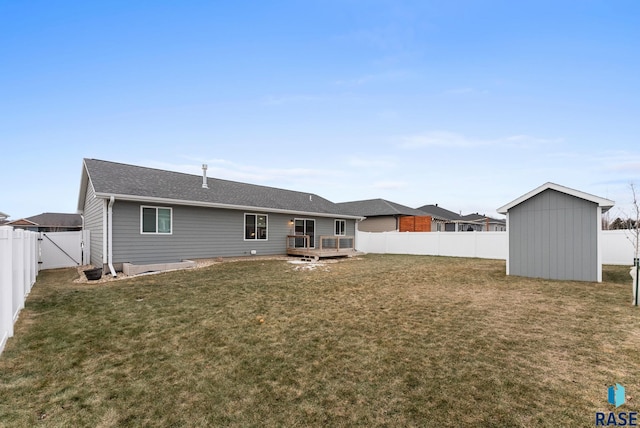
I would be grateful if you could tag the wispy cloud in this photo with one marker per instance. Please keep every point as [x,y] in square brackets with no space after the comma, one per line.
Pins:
[274,100]
[452,139]
[228,170]
[386,76]
[528,141]
[633,167]
[467,91]
[389,185]
[437,139]
[359,162]
[392,37]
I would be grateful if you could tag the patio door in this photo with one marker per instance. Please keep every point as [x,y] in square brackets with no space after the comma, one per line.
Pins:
[305,226]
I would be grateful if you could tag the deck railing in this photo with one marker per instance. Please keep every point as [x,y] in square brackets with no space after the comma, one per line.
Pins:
[298,241]
[326,243]
[337,243]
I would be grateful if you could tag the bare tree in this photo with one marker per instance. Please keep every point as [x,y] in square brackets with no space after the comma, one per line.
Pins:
[634,237]
[634,223]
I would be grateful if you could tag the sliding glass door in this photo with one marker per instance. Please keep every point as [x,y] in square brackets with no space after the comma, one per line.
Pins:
[305,226]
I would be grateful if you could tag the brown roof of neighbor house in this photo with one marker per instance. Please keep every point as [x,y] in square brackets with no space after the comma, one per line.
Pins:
[50,220]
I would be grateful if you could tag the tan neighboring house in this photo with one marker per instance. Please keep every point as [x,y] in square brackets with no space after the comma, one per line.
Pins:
[386,216]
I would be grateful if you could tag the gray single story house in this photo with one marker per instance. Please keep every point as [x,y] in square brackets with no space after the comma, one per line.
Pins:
[144,215]
[448,221]
[555,233]
[484,223]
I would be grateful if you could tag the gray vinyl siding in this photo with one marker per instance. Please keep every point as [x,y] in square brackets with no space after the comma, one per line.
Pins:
[199,232]
[554,236]
[93,209]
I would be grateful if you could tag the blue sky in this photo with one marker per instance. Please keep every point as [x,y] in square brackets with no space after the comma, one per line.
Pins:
[468,104]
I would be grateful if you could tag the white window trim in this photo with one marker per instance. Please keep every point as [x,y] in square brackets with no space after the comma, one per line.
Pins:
[142,207]
[335,223]
[244,229]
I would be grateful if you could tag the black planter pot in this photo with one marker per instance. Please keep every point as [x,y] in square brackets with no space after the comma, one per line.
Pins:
[93,274]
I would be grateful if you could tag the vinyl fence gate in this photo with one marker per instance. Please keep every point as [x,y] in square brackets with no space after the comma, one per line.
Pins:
[63,249]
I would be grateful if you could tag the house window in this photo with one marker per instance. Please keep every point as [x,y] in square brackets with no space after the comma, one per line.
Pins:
[341,227]
[255,226]
[156,220]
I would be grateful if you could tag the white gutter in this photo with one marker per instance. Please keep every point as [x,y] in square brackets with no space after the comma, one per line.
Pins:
[110,236]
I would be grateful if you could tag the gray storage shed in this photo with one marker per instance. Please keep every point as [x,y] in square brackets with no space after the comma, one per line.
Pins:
[555,233]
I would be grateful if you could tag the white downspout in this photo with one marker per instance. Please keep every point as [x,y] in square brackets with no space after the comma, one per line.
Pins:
[82,239]
[104,233]
[110,236]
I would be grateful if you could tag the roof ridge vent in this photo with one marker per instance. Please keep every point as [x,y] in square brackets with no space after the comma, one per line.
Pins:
[204,176]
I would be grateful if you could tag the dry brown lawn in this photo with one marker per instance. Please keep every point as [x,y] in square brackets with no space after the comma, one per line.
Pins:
[371,341]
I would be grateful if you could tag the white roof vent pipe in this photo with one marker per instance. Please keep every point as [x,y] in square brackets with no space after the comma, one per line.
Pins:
[204,176]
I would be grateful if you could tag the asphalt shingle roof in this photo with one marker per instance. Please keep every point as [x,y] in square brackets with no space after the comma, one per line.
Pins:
[111,178]
[378,207]
[440,212]
[56,220]
[480,217]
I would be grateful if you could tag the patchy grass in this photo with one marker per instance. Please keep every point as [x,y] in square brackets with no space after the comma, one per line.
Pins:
[374,341]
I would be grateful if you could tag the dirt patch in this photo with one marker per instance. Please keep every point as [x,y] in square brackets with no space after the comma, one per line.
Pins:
[200,263]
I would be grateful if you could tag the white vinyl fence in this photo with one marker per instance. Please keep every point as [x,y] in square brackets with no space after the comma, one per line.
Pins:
[486,245]
[18,271]
[616,247]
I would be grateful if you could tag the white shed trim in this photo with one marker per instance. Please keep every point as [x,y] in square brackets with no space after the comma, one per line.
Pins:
[603,203]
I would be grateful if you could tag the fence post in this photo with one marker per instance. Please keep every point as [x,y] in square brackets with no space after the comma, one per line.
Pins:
[34,259]
[6,284]
[26,256]
[18,273]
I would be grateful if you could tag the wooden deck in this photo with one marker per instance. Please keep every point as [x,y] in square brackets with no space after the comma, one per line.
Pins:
[329,246]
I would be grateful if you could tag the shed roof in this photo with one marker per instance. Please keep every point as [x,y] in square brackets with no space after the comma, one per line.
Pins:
[137,183]
[606,204]
[378,207]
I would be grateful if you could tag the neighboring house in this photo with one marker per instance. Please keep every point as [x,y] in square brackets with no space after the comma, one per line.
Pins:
[49,222]
[555,233]
[449,221]
[484,223]
[384,216]
[443,219]
[143,215]
[3,217]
